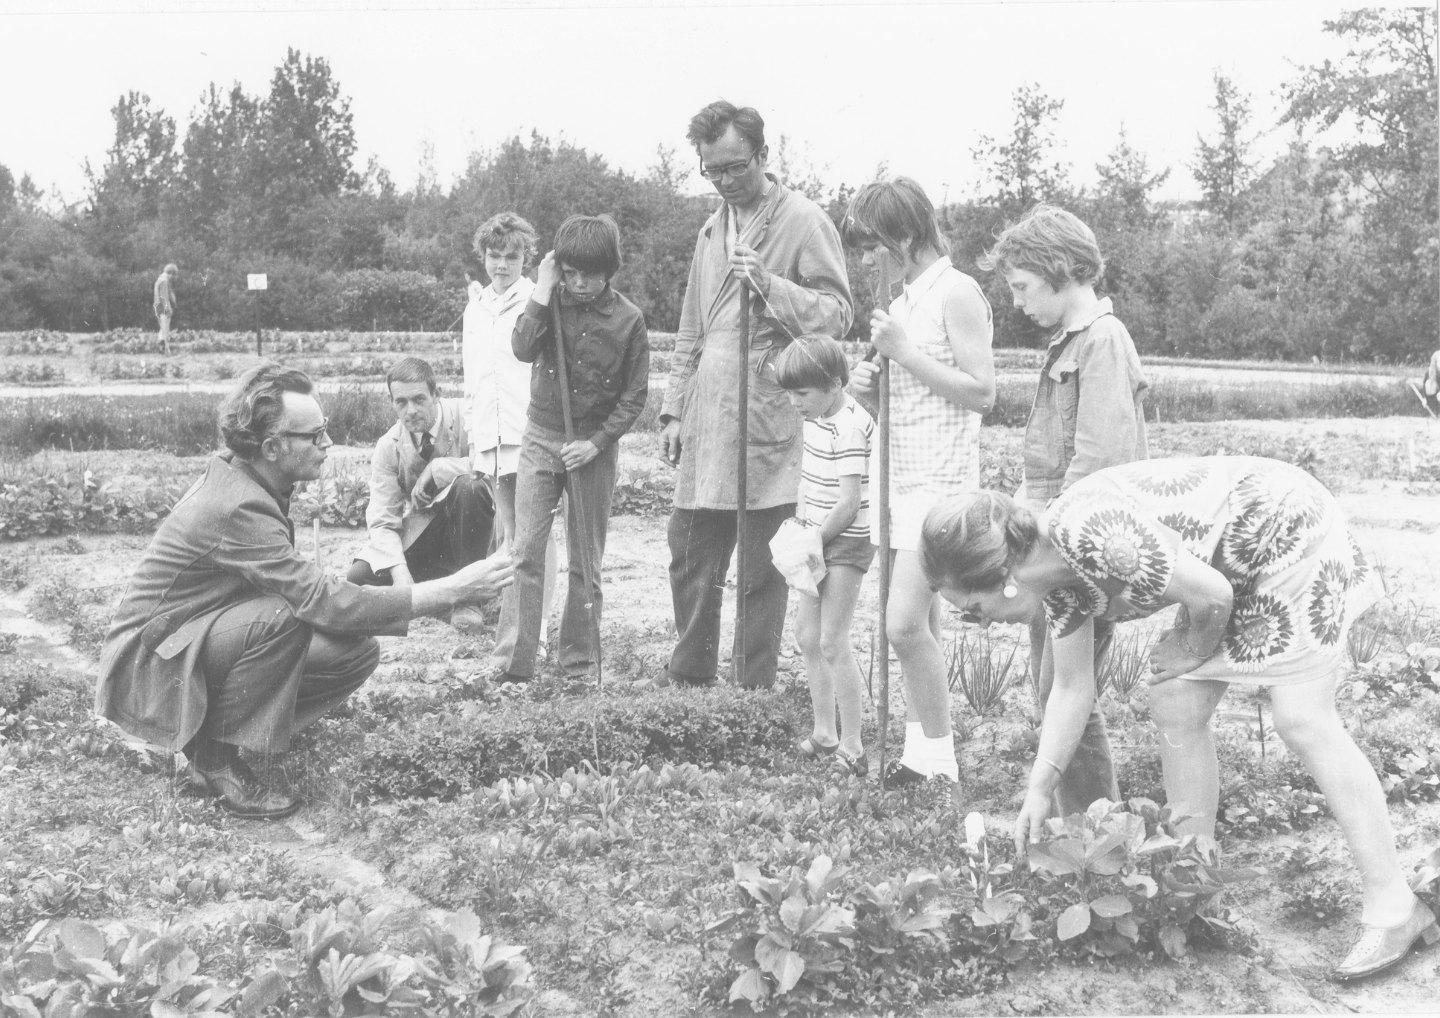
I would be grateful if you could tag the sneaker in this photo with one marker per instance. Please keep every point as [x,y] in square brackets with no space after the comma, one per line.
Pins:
[898,775]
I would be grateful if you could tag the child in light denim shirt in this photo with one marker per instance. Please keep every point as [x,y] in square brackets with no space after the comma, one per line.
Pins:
[1087,415]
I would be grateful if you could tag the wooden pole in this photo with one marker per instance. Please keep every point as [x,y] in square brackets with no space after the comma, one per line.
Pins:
[882,507]
[577,504]
[742,449]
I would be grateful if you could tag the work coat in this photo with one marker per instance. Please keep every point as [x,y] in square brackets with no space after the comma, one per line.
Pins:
[396,515]
[228,540]
[809,293]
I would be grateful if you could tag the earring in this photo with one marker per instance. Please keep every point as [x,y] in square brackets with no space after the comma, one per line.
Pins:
[1010,590]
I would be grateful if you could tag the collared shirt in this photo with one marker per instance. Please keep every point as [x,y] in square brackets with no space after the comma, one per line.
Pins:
[497,385]
[607,361]
[1088,413]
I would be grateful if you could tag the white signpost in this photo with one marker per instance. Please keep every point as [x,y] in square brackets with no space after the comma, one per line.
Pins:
[257,283]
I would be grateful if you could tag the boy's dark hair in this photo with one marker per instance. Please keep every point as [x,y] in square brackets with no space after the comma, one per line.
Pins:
[1052,243]
[710,123]
[812,362]
[251,413]
[501,231]
[412,369]
[892,212]
[589,243]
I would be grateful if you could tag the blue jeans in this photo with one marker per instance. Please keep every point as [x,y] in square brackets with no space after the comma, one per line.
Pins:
[1091,774]
[541,480]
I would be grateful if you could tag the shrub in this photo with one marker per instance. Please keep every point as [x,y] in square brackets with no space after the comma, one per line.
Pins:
[32,374]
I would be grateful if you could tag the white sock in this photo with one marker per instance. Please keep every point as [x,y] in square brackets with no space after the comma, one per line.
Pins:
[913,755]
[939,754]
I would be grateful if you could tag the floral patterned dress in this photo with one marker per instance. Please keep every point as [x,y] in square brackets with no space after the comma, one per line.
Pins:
[1268,527]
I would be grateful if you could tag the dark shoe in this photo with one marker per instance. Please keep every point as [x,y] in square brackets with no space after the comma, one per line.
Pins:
[243,794]
[1380,947]
[856,766]
[897,775]
[814,749]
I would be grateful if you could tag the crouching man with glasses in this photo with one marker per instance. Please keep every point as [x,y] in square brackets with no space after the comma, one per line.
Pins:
[227,638]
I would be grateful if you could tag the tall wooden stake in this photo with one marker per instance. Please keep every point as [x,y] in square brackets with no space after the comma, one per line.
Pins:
[577,504]
[742,523]
[882,507]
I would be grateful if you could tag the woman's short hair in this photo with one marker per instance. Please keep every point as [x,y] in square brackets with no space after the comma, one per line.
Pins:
[710,123]
[1052,243]
[412,369]
[251,413]
[971,542]
[589,243]
[812,362]
[505,230]
[896,213]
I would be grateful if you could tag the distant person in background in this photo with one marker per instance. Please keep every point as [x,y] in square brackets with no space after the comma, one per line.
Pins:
[227,638]
[165,302]
[497,393]
[429,513]
[1087,415]
[1428,388]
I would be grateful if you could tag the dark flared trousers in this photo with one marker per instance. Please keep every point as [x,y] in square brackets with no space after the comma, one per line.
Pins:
[267,674]
[701,543]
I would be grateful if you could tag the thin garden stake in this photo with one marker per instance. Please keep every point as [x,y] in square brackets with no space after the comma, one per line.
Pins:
[577,504]
[742,528]
[882,508]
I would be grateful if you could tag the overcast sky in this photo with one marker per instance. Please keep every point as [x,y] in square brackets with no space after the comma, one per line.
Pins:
[851,84]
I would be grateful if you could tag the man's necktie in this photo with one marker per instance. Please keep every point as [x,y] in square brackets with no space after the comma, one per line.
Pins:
[427,447]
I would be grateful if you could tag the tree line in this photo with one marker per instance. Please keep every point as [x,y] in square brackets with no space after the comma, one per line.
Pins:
[1326,252]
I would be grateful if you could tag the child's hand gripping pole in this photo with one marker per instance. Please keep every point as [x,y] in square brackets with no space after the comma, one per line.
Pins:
[577,504]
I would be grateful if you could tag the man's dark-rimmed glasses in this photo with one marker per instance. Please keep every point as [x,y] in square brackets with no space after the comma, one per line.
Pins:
[315,437]
[731,170]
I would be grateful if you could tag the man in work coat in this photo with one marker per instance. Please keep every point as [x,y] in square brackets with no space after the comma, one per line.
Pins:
[429,513]
[227,638]
[789,252]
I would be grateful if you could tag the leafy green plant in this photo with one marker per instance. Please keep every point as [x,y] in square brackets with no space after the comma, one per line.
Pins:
[1315,898]
[1117,880]
[801,937]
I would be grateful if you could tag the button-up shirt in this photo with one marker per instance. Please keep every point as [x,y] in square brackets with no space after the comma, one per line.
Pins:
[607,360]
[1088,413]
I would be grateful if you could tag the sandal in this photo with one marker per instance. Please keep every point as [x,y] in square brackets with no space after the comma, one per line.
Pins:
[857,766]
[814,750]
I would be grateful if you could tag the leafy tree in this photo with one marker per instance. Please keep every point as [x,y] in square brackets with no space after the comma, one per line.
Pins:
[7,192]
[127,192]
[1384,89]
[1124,195]
[218,145]
[1223,167]
[1023,169]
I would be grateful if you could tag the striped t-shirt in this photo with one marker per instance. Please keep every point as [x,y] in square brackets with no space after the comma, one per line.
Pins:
[835,447]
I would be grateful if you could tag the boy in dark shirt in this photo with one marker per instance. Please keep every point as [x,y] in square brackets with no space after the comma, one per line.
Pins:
[607,358]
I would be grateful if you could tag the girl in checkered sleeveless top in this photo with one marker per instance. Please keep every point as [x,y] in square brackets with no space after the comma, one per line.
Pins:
[936,334]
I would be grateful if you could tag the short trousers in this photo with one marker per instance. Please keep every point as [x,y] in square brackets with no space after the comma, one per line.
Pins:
[849,550]
[509,460]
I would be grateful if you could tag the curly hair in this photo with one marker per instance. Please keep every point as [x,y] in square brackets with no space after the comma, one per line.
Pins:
[709,124]
[250,414]
[1052,243]
[506,229]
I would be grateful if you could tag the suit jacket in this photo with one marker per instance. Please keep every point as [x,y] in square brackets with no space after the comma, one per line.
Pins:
[397,515]
[228,540]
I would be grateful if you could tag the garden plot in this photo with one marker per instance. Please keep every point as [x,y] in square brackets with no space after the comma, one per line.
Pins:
[602,830]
